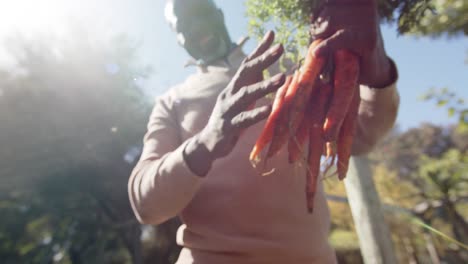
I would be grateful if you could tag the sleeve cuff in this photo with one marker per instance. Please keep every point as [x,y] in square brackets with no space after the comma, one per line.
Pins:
[180,166]
[393,75]
[370,94]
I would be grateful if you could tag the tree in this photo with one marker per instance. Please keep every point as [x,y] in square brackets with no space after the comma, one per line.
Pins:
[433,159]
[447,18]
[72,118]
[400,151]
[68,102]
[445,187]
[455,106]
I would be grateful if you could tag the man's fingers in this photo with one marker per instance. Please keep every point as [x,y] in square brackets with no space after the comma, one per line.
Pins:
[347,24]
[322,26]
[250,70]
[263,46]
[249,94]
[262,62]
[341,39]
[249,118]
[320,29]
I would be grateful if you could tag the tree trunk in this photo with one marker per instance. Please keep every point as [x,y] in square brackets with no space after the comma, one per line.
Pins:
[374,237]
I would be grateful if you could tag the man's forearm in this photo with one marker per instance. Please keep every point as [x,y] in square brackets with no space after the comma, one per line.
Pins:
[377,113]
[160,188]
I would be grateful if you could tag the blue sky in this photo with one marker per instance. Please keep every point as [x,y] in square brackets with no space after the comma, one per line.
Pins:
[423,63]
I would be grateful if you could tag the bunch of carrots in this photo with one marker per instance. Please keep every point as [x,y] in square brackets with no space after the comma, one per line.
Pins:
[314,117]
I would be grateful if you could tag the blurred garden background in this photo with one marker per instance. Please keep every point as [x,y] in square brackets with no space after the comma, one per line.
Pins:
[77,84]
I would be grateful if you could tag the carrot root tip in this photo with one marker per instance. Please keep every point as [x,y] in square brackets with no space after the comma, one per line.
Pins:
[342,175]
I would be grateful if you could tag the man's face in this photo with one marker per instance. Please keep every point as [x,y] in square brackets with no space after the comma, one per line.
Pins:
[200,28]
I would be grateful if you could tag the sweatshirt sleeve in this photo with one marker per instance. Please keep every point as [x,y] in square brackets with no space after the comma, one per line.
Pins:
[377,115]
[161,184]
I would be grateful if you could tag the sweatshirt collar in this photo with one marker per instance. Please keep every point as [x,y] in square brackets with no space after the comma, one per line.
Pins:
[232,61]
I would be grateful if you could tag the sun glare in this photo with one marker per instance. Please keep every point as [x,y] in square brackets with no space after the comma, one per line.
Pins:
[53,19]
[28,16]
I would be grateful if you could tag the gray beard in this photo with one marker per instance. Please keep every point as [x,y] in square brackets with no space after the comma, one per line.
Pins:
[221,51]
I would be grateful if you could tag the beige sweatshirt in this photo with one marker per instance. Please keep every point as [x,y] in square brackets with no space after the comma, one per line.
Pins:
[234,215]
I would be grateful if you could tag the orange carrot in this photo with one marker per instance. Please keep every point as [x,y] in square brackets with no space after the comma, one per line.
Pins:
[311,67]
[347,132]
[319,104]
[345,79]
[280,135]
[268,129]
[295,150]
[296,99]
[309,73]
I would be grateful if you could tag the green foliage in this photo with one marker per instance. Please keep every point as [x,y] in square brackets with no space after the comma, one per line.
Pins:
[393,190]
[70,112]
[434,160]
[67,108]
[448,17]
[401,151]
[344,240]
[289,20]
[444,186]
[64,221]
[73,115]
[456,106]
[445,177]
